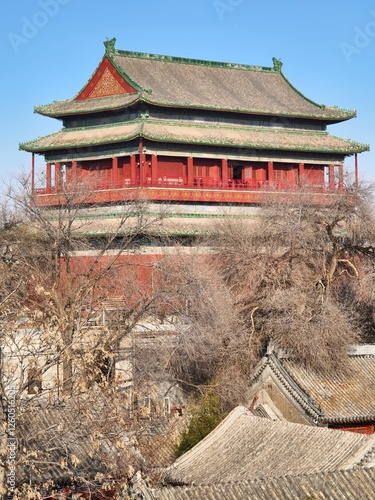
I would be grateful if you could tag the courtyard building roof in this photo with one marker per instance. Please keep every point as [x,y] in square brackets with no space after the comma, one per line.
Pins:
[334,397]
[244,447]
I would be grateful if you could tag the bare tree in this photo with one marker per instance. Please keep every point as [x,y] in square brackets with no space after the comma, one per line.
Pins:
[58,345]
[71,266]
[291,272]
[212,348]
[300,276]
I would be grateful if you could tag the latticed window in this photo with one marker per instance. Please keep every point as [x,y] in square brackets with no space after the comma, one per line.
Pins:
[280,175]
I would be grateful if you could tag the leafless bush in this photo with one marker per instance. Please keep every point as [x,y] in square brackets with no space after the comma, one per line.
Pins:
[299,275]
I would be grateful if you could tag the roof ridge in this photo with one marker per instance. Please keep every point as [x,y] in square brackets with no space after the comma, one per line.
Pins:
[294,388]
[311,101]
[320,106]
[362,456]
[193,61]
[226,422]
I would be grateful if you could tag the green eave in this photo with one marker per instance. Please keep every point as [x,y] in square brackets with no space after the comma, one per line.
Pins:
[71,107]
[195,134]
[352,147]
[37,146]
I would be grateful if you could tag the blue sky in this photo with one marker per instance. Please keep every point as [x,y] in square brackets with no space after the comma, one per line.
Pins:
[50,48]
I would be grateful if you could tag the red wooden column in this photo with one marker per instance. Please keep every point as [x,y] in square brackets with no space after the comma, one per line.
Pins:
[115,171]
[270,172]
[331,177]
[48,177]
[133,170]
[154,170]
[32,172]
[74,171]
[301,171]
[224,172]
[341,177]
[190,171]
[142,164]
[58,179]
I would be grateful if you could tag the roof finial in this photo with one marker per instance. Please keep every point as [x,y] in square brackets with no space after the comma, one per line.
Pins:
[277,64]
[110,46]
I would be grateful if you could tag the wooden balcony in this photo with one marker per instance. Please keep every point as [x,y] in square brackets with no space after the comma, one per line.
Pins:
[202,189]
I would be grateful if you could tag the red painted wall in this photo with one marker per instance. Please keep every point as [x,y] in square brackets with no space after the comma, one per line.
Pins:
[359,429]
[314,174]
[124,168]
[207,167]
[285,173]
[171,167]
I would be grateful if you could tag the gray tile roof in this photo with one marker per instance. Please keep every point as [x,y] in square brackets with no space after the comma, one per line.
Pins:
[210,85]
[342,397]
[331,397]
[179,82]
[199,134]
[343,485]
[73,107]
[245,447]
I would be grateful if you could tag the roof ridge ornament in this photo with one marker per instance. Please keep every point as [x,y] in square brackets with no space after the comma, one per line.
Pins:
[277,64]
[110,46]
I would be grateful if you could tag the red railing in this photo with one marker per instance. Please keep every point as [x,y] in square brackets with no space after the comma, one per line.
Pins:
[197,183]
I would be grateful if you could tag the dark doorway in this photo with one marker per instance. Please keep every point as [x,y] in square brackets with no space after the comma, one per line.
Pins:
[237,172]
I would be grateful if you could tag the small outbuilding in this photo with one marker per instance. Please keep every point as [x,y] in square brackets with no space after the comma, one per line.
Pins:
[282,389]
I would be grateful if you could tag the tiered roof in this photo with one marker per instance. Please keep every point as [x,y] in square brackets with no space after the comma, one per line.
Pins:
[196,134]
[191,83]
[124,79]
